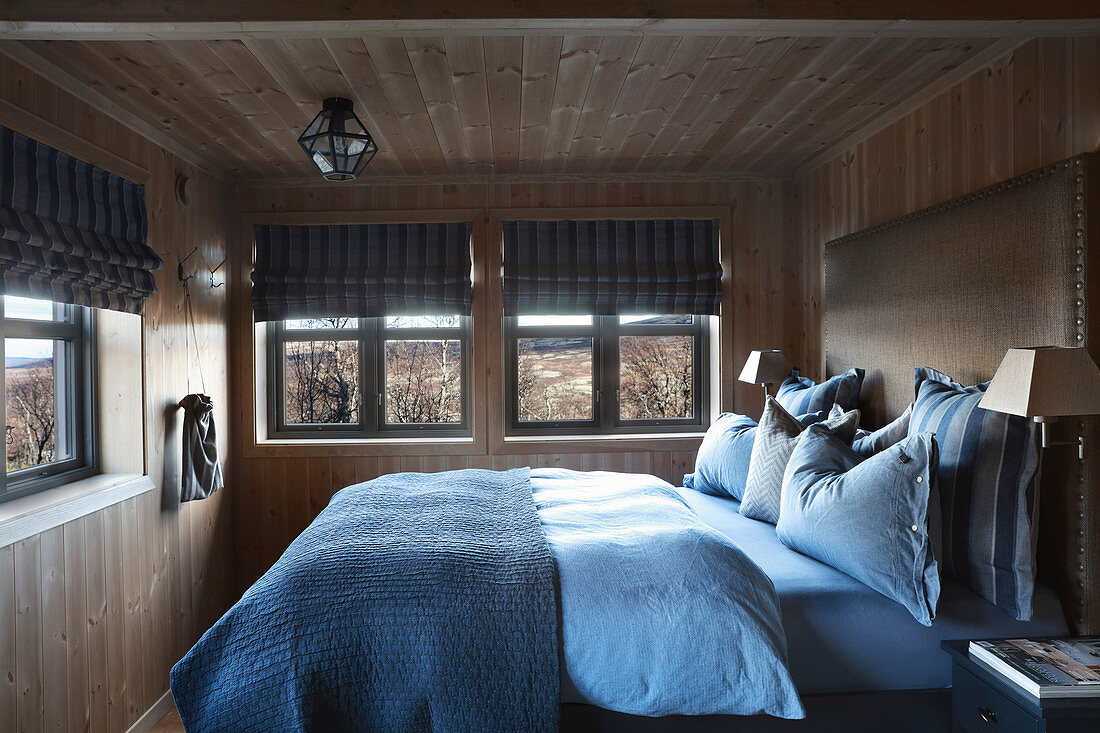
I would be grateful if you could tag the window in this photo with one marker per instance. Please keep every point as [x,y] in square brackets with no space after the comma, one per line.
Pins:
[570,374]
[47,395]
[369,377]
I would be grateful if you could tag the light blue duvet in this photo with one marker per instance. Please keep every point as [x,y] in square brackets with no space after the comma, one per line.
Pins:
[661,614]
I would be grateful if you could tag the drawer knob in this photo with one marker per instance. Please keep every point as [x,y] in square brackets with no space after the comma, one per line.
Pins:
[989,716]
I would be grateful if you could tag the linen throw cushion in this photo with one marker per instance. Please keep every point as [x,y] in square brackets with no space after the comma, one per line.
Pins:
[989,463]
[867,443]
[865,517]
[799,395]
[722,464]
[775,439]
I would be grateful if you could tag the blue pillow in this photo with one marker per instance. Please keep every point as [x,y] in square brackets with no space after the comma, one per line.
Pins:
[722,464]
[867,518]
[988,467]
[800,394]
[867,443]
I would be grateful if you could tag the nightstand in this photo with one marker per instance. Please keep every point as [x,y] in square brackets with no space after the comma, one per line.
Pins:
[983,702]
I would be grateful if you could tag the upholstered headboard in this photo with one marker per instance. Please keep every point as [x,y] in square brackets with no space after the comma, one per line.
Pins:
[953,287]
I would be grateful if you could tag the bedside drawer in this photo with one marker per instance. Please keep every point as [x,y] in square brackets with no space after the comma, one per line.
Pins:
[978,708]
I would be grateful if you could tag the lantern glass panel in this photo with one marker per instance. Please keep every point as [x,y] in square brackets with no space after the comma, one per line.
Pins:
[348,145]
[322,163]
[315,126]
[353,126]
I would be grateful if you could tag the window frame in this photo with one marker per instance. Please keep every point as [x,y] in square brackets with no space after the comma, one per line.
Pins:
[371,335]
[486,390]
[606,332]
[78,329]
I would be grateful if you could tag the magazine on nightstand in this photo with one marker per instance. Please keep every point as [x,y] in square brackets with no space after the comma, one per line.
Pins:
[1046,668]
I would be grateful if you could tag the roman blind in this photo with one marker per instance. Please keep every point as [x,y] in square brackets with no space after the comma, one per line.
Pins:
[361,270]
[609,267]
[71,232]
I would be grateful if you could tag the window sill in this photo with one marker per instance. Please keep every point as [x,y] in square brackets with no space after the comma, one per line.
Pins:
[30,515]
[608,437]
[354,447]
[607,443]
[360,441]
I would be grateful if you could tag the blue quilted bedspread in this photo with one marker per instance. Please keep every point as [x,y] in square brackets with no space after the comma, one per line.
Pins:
[414,602]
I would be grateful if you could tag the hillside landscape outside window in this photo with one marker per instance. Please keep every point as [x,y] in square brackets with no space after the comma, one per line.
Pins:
[606,373]
[46,405]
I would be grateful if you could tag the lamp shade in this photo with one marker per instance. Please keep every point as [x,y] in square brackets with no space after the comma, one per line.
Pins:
[1045,381]
[337,142]
[766,367]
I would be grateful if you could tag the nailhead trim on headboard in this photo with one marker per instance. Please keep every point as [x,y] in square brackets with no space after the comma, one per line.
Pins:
[1080,572]
[955,203]
[1072,560]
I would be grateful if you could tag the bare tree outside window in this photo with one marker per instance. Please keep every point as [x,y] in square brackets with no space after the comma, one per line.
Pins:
[322,382]
[415,362]
[31,414]
[656,377]
[307,324]
[47,383]
[423,381]
[423,322]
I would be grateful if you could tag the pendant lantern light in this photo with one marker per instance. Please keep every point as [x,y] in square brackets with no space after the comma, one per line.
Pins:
[337,142]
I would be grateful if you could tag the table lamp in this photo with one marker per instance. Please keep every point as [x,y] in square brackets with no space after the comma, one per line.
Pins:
[766,368]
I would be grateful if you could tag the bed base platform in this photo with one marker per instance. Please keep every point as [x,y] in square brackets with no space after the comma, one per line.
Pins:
[902,711]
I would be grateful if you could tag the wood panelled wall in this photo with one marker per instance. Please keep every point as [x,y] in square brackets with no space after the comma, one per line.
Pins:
[1039,105]
[283,494]
[93,613]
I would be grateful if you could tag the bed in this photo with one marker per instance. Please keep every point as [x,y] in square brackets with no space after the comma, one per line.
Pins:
[607,609]
[844,637]
[856,657]
[1009,265]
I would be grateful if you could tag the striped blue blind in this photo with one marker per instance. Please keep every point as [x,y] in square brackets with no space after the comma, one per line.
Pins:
[609,267]
[361,270]
[71,232]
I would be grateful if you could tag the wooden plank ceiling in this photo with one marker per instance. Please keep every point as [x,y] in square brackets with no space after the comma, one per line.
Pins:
[540,105]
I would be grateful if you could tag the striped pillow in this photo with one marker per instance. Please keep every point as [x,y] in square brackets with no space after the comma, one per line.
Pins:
[989,464]
[799,395]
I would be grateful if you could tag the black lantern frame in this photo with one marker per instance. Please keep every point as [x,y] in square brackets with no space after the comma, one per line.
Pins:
[336,141]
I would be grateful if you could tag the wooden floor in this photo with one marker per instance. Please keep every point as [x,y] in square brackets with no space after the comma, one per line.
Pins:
[170,723]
